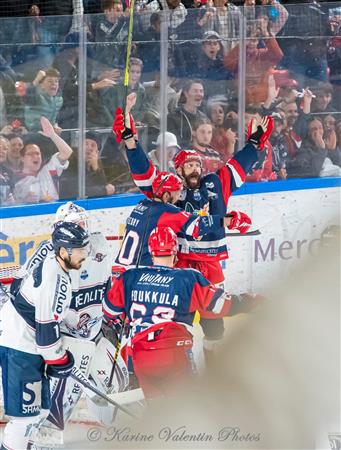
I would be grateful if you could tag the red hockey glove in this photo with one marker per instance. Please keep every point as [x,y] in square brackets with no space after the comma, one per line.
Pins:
[239,221]
[259,131]
[120,128]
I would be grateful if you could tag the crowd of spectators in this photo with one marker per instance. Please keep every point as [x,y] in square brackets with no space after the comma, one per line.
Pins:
[292,71]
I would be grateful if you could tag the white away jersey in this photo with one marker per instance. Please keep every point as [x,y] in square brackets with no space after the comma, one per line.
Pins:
[30,323]
[89,286]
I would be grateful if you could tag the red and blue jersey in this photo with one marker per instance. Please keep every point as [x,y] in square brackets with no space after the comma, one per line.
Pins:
[149,214]
[212,196]
[153,295]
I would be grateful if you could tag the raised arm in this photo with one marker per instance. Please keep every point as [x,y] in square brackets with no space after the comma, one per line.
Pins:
[64,150]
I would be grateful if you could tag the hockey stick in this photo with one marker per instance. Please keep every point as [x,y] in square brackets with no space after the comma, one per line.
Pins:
[248,233]
[130,38]
[77,375]
[125,84]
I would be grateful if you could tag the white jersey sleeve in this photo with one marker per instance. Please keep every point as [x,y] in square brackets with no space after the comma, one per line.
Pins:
[45,249]
[30,323]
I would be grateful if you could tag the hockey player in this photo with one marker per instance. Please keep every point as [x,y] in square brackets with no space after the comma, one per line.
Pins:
[31,348]
[161,211]
[81,327]
[160,303]
[204,194]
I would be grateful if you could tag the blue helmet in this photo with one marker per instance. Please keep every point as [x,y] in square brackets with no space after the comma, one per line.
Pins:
[69,235]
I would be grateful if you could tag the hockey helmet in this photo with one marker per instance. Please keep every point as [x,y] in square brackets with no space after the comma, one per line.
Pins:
[162,242]
[166,182]
[184,156]
[70,212]
[69,235]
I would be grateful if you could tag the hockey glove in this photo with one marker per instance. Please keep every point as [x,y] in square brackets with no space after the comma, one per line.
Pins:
[120,127]
[244,303]
[61,370]
[239,221]
[259,131]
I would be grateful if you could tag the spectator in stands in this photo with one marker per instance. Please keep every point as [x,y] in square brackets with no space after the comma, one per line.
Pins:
[223,139]
[13,161]
[207,64]
[66,63]
[152,106]
[304,42]
[6,175]
[227,23]
[259,61]
[276,14]
[96,184]
[42,99]
[338,134]
[330,139]
[149,48]
[202,132]
[322,103]
[169,150]
[312,160]
[181,121]
[279,147]
[111,35]
[113,97]
[175,17]
[38,182]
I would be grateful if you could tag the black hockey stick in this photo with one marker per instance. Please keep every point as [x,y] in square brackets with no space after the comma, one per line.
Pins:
[77,375]
[248,233]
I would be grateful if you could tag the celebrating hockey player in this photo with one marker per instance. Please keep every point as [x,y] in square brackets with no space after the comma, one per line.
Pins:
[161,211]
[160,303]
[203,194]
[81,328]
[31,348]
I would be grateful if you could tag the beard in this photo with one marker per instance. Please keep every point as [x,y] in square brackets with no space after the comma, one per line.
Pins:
[70,265]
[193,180]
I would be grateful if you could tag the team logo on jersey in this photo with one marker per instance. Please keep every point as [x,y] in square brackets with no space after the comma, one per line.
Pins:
[99,257]
[209,185]
[84,275]
[197,195]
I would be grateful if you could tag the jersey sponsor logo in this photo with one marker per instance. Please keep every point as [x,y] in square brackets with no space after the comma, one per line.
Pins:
[161,298]
[197,195]
[41,254]
[84,274]
[61,294]
[99,257]
[31,399]
[85,359]
[86,296]
[155,279]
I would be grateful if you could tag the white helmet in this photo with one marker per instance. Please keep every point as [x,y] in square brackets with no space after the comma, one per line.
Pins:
[70,212]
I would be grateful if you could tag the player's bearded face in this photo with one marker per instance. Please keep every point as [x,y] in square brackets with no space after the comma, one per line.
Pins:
[76,259]
[191,173]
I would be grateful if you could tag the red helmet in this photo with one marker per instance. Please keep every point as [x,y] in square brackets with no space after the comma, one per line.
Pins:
[184,156]
[162,242]
[166,182]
